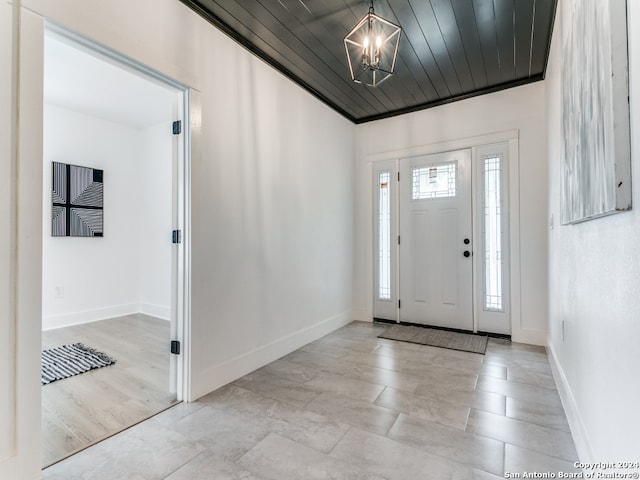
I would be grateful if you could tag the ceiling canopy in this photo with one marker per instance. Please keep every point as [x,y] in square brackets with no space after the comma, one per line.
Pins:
[449,49]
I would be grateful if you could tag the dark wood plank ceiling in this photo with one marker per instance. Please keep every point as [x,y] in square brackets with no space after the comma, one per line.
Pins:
[449,50]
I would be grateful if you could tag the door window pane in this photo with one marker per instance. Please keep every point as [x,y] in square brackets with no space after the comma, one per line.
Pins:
[434,181]
[492,226]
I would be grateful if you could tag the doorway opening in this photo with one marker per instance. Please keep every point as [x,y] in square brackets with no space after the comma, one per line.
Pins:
[441,239]
[115,158]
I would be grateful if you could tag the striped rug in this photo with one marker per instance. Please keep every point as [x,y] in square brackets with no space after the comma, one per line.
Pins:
[69,360]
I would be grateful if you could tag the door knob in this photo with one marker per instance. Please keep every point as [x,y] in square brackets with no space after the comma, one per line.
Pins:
[467,253]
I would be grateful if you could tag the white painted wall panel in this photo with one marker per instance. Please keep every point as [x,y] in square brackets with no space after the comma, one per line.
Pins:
[594,279]
[421,270]
[521,108]
[449,221]
[7,225]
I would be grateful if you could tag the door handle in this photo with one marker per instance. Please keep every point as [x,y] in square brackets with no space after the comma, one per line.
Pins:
[467,253]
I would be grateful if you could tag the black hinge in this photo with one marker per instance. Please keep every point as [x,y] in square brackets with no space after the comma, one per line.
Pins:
[177,127]
[175,347]
[398,239]
[176,236]
[398,176]
[398,303]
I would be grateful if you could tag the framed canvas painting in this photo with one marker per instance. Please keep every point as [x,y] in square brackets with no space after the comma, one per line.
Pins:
[596,165]
[77,201]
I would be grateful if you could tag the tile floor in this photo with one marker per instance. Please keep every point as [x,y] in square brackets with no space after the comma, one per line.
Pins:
[352,406]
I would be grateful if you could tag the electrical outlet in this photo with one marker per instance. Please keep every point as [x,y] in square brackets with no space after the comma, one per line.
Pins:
[59,291]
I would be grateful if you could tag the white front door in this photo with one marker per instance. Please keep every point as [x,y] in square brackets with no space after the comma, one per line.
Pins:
[436,282]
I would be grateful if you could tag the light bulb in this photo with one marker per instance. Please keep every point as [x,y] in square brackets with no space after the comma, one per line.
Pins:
[366,42]
[378,41]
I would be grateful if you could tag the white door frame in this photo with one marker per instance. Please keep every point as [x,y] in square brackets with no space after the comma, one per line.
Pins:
[25,231]
[511,138]
[181,188]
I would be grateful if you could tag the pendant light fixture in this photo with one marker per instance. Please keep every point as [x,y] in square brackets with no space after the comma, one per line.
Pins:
[372,48]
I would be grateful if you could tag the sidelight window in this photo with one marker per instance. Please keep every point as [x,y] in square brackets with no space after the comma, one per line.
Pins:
[492,233]
[384,236]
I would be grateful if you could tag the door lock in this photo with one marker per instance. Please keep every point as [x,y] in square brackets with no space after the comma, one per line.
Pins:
[466,241]
[467,253]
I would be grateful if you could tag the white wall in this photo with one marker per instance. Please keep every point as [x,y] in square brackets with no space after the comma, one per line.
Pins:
[272,212]
[98,275]
[521,108]
[7,225]
[129,269]
[272,218]
[594,282]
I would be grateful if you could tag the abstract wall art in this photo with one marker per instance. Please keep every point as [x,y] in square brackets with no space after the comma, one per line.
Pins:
[77,197]
[596,166]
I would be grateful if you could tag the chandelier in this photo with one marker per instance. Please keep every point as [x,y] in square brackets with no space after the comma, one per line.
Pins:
[372,48]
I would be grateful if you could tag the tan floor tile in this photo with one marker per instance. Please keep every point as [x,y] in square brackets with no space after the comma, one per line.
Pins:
[526,435]
[390,459]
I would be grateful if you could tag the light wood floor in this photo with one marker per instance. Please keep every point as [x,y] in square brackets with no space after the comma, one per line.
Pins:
[84,409]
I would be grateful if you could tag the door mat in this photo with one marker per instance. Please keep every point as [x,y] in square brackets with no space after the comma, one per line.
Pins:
[465,342]
[69,360]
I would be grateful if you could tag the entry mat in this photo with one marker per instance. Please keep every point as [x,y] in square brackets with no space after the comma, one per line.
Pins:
[466,342]
[69,360]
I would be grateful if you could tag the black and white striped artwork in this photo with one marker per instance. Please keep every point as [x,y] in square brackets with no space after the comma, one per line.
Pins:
[77,196]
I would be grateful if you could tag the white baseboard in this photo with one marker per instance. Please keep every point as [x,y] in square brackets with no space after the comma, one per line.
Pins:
[362,315]
[86,316]
[578,429]
[530,337]
[234,368]
[159,311]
